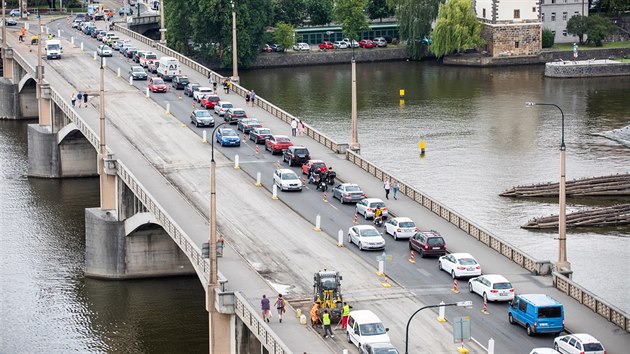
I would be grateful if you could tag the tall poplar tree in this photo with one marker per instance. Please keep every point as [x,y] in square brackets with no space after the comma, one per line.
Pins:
[456,29]
[414,22]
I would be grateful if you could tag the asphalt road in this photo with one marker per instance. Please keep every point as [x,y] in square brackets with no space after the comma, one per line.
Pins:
[423,278]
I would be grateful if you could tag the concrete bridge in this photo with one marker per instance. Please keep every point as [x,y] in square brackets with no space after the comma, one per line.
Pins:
[153,215]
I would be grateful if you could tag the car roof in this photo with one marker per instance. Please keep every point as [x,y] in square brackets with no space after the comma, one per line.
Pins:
[363,227]
[374,200]
[365,315]
[544,351]
[224,102]
[496,278]
[585,337]
[280,136]
[205,88]
[349,184]
[297,147]
[540,299]
[316,161]
[286,170]
[402,218]
[462,255]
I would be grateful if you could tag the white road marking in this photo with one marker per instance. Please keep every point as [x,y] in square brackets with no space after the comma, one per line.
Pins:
[334,207]
[423,272]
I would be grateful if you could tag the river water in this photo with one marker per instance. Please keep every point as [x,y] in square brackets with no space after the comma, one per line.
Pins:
[46,303]
[480,139]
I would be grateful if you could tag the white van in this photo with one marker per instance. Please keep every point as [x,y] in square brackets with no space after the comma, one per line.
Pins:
[167,68]
[365,327]
[53,49]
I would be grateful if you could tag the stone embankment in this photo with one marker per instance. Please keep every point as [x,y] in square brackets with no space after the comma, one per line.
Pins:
[587,68]
[337,56]
[546,56]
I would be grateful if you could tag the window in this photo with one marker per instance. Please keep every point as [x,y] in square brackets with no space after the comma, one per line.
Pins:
[576,13]
[564,33]
[484,13]
[542,2]
[522,305]
[517,13]
[553,1]
[516,44]
[542,17]
[533,9]
[564,16]
[553,16]
[554,32]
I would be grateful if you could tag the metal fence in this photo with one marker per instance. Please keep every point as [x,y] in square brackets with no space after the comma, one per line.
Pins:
[258,327]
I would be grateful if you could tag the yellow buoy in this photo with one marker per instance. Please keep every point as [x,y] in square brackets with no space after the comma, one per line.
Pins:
[402,93]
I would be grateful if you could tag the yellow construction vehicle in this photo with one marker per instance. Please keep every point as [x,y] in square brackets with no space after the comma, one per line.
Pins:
[327,293]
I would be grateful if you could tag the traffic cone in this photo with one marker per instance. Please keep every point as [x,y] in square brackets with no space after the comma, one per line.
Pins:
[485,307]
[455,290]
[257,149]
[325,199]
[356,217]
[412,257]
[386,283]
[244,138]
[277,164]
[303,180]
[180,96]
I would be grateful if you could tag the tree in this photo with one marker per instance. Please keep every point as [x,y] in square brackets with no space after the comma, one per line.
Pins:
[378,9]
[414,22]
[598,29]
[456,29]
[178,36]
[351,15]
[548,38]
[319,11]
[284,34]
[577,26]
[289,11]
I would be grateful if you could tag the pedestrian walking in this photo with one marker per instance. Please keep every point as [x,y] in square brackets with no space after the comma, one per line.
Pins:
[252,97]
[280,304]
[395,188]
[209,78]
[73,98]
[346,314]
[314,314]
[300,128]
[220,245]
[387,187]
[85,98]
[229,86]
[266,308]
[247,99]
[326,324]
[214,86]
[293,127]
[79,97]
[22,34]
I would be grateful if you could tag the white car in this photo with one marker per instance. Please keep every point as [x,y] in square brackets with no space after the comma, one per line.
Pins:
[221,107]
[400,227]
[202,91]
[543,351]
[367,207]
[578,343]
[75,24]
[301,47]
[366,237]
[286,179]
[104,50]
[341,45]
[492,287]
[351,43]
[459,265]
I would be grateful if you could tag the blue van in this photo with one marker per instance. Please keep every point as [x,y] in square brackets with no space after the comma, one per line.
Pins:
[538,313]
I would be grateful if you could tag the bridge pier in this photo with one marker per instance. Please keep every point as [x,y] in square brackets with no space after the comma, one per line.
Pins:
[8,90]
[247,341]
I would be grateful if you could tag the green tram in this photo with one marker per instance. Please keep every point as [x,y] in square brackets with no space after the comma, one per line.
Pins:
[315,35]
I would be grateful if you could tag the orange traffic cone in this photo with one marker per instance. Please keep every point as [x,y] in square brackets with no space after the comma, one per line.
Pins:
[455,290]
[412,257]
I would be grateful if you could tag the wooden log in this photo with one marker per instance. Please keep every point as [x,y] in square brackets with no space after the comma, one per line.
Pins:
[615,185]
[613,215]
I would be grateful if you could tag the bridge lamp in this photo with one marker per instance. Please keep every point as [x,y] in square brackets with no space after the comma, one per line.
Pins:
[234,49]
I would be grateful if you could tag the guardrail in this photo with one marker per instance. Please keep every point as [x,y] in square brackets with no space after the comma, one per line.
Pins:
[135,35]
[592,301]
[258,327]
[135,21]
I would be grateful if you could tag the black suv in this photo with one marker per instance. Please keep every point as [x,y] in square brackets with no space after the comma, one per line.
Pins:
[428,243]
[180,82]
[296,155]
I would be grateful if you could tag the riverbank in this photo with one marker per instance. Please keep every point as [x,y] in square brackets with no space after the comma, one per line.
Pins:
[543,57]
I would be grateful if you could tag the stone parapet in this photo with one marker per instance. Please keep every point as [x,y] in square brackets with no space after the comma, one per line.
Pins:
[587,68]
[338,56]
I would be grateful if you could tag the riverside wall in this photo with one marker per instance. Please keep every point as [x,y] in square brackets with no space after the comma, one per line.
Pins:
[587,68]
[543,57]
[338,56]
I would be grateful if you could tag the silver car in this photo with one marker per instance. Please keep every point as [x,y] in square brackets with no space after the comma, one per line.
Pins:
[348,193]
[201,117]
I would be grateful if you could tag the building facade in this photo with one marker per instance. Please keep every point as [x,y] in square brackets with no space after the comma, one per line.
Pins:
[556,13]
[510,27]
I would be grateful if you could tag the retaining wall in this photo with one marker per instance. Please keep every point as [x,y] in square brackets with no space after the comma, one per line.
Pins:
[338,56]
[587,68]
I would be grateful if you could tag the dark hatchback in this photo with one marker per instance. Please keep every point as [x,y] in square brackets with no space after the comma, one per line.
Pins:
[428,243]
[296,155]
[180,82]
[259,135]
[190,89]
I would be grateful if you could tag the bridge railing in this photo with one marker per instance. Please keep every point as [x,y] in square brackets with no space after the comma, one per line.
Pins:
[135,21]
[135,35]
[257,326]
[592,301]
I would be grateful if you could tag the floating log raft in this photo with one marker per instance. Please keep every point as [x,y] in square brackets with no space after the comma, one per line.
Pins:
[609,216]
[610,186]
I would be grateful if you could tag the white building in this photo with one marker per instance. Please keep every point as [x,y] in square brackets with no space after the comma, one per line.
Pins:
[556,13]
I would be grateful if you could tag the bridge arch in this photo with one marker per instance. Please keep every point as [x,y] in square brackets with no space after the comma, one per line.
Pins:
[25,80]
[27,97]
[139,220]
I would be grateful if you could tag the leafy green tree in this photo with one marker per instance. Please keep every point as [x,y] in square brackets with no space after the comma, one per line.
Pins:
[379,9]
[176,14]
[548,38]
[284,34]
[577,26]
[414,22]
[289,11]
[456,29]
[598,29]
[319,11]
[351,15]
[614,7]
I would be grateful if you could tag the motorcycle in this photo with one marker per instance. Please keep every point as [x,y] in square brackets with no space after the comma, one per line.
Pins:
[378,221]
[321,185]
[330,178]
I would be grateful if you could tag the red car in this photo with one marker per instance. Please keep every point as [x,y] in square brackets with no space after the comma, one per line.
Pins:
[367,43]
[326,45]
[277,143]
[157,85]
[316,163]
[209,101]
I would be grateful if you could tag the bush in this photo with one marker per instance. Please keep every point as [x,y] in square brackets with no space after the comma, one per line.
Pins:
[547,38]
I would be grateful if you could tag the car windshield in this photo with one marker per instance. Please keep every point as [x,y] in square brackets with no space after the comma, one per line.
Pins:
[288,176]
[53,46]
[435,241]
[385,351]
[150,56]
[301,151]
[407,224]
[502,286]
[377,205]
[228,132]
[283,140]
[214,98]
[183,79]
[319,165]
[158,82]
[227,105]
[203,114]
[239,113]
[138,70]
[372,329]
[353,189]
[369,232]
[467,261]
[264,131]
[550,312]
[593,347]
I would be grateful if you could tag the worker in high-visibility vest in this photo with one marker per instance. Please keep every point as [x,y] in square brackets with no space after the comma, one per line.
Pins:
[346,313]
[326,324]
[315,314]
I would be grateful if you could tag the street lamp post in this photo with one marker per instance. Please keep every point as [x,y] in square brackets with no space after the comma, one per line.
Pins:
[162,27]
[213,281]
[234,49]
[354,145]
[562,263]
[459,304]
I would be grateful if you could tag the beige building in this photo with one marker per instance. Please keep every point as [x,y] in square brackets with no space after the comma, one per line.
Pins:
[510,27]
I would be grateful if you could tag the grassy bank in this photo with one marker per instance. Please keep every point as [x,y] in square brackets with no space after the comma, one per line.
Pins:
[607,45]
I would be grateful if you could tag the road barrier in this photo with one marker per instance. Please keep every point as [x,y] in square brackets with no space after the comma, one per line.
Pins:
[485,306]
[412,257]
[455,288]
